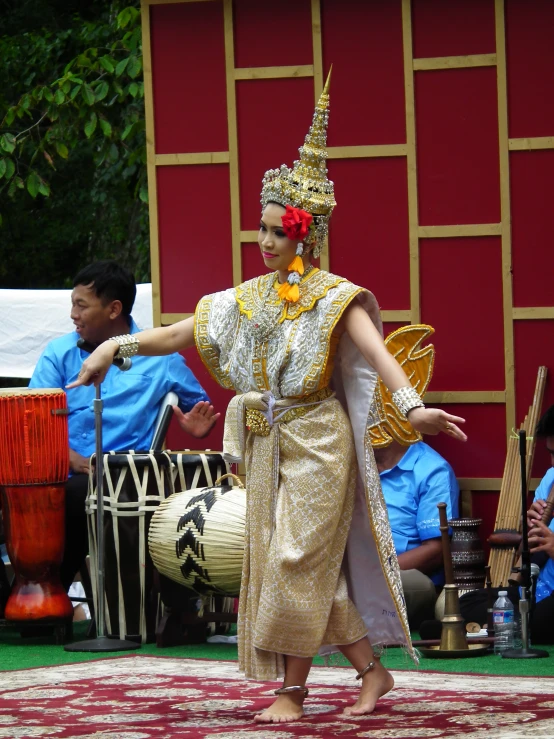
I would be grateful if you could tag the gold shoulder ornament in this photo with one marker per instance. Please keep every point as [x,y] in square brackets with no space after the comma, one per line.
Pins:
[417,362]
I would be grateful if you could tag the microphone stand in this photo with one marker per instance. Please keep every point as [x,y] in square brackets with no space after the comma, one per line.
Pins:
[525,586]
[101,643]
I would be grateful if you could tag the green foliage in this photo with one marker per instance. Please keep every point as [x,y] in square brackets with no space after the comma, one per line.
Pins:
[72,141]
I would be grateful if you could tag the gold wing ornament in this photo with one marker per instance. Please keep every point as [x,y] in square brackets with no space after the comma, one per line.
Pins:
[386,422]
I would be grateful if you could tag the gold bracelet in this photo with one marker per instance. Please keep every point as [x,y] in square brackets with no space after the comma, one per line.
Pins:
[406,398]
[128,345]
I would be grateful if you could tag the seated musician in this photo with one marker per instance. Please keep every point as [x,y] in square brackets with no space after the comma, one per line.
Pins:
[473,605]
[101,304]
[414,479]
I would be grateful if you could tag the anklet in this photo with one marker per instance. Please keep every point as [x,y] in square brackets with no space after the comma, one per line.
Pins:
[370,667]
[292,689]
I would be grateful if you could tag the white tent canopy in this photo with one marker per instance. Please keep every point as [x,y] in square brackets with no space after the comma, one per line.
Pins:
[29,319]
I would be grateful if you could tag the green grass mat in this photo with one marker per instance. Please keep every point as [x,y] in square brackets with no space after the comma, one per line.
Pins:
[18,653]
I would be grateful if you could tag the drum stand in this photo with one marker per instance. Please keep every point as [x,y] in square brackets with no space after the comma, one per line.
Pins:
[101,643]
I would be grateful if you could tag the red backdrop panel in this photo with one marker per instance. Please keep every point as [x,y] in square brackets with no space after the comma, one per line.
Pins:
[178,439]
[363,42]
[461,297]
[369,241]
[188,75]
[484,453]
[530,61]
[532,184]
[195,249]
[484,504]
[457,146]
[453,28]
[533,348]
[261,29]
[274,117]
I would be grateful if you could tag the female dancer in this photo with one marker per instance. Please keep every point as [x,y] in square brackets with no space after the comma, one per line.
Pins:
[302,348]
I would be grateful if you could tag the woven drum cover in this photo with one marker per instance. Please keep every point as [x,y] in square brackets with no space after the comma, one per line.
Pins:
[196,538]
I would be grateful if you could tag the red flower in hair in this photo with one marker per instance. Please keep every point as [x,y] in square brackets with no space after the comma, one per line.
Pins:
[296,223]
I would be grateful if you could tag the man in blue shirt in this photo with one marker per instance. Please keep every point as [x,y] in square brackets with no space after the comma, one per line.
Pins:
[101,304]
[473,605]
[414,480]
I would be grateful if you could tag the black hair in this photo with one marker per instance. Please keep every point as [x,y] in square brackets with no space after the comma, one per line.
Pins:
[110,281]
[545,426]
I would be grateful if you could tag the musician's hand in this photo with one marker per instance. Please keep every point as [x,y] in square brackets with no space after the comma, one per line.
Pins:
[199,420]
[78,464]
[535,512]
[96,366]
[542,540]
[433,421]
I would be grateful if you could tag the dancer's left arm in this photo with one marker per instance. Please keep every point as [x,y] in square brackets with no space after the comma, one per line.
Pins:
[363,333]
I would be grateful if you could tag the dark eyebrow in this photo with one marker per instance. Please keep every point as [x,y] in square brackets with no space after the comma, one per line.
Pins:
[265,224]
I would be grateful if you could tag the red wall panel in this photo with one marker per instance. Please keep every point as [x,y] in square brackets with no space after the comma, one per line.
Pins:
[363,42]
[532,185]
[533,341]
[484,453]
[461,297]
[530,61]
[452,28]
[188,75]
[457,146]
[272,34]
[369,241]
[195,249]
[274,117]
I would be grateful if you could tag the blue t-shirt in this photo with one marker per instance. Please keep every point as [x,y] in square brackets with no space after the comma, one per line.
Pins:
[412,489]
[545,581]
[132,399]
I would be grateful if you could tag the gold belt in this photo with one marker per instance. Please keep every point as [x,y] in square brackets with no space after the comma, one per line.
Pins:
[257,423]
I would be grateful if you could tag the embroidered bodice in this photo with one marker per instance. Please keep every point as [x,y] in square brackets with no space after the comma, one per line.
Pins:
[250,340]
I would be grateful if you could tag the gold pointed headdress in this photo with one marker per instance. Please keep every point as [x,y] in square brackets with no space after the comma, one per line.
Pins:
[386,422]
[306,185]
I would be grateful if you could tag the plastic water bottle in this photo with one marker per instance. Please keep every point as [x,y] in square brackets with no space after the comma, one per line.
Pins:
[503,617]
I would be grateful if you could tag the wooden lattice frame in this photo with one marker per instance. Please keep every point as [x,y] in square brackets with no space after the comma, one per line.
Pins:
[407,150]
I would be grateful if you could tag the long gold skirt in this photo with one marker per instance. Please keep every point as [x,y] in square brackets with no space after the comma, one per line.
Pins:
[301,483]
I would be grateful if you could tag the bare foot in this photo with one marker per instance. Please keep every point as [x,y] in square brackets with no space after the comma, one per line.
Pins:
[287,707]
[375,684]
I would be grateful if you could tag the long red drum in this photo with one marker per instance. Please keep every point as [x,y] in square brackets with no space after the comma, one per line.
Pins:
[34,443]
[34,465]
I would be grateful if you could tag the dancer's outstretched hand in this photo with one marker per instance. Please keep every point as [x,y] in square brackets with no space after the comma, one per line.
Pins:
[433,420]
[199,420]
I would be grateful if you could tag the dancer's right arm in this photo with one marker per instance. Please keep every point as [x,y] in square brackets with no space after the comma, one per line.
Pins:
[152,343]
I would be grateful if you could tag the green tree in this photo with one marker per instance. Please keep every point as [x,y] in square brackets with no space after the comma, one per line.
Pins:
[72,143]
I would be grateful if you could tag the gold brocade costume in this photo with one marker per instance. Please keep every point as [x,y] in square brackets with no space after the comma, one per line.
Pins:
[320,567]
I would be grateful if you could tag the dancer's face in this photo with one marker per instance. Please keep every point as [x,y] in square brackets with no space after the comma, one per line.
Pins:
[278,251]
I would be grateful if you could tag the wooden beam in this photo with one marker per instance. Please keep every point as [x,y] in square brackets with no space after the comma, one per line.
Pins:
[233,139]
[396,316]
[169,318]
[315,7]
[505,215]
[489,483]
[201,157]
[369,151]
[317,48]
[455,62]
[415,303]
[151,164]
[468,229]
[532,143]
[268,73]
[465,396]
[249,237]
[532,314]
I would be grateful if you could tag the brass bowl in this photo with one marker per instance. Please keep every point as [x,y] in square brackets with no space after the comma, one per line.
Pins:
[473,650]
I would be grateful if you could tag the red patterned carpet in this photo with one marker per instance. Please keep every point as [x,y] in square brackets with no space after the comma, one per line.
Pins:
[155,698]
